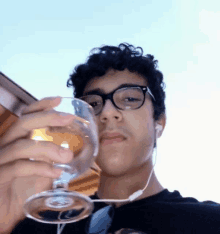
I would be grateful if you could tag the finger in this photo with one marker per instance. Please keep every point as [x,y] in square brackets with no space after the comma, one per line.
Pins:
[23,168]
[37,150]
[44,104]
[25,124]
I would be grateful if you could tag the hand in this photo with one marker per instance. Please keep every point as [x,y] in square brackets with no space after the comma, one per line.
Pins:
[20,177]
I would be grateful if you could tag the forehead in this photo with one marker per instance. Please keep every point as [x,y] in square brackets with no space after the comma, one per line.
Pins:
[112,79]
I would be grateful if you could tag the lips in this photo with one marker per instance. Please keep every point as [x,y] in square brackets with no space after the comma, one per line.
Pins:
[112,141]
[111,138]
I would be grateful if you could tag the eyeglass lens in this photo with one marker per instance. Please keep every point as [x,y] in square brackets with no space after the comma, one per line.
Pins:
[125,98]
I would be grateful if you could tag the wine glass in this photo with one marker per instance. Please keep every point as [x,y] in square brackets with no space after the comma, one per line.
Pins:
[59,205]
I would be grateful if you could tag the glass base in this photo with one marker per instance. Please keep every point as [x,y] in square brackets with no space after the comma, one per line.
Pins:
[58,206]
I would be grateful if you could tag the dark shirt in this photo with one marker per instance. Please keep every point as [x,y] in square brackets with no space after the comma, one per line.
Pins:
[163,213]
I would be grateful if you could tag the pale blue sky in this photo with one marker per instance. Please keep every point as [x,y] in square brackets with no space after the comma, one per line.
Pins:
[41,43]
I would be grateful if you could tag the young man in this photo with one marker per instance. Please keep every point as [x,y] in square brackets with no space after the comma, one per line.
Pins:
[126,91]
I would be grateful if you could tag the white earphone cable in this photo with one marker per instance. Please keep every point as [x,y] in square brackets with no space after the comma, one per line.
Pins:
[134,195]
[131,197]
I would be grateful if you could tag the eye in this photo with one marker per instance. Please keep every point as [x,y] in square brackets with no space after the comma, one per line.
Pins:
[130,99]
[93,104]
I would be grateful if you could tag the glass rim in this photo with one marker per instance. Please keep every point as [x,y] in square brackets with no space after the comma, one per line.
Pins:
[77,99]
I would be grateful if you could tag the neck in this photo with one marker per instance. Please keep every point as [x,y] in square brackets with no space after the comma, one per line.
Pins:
[123,186]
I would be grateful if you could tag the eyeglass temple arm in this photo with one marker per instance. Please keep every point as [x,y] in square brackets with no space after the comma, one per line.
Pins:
[148,90]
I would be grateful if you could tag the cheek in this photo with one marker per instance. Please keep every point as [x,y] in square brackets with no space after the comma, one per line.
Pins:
[140,125]
[143,137]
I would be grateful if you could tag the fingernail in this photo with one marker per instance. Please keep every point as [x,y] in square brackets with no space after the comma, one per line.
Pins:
[51,98]
[57,172]
[64,114]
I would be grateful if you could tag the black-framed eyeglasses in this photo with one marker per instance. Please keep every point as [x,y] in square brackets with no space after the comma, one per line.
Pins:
[129,97]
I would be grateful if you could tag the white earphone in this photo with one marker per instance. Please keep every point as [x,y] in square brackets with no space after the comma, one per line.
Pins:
[158,129]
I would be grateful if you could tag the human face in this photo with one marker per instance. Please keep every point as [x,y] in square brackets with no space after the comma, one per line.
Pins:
[119,157]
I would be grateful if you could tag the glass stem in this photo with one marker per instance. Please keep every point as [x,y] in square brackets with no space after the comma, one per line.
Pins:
[60,184]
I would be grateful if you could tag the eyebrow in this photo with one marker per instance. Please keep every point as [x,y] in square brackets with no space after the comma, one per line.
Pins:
[98,90]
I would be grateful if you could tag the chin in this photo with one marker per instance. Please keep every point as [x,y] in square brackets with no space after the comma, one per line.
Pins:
[113,168]
[114,173]
[120,161]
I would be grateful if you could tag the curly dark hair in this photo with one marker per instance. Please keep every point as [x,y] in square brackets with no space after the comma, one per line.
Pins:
[119,58]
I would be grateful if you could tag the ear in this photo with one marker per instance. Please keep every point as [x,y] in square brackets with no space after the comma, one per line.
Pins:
[162,122]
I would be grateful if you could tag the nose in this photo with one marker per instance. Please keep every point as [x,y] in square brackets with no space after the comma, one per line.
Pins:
[109,111]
